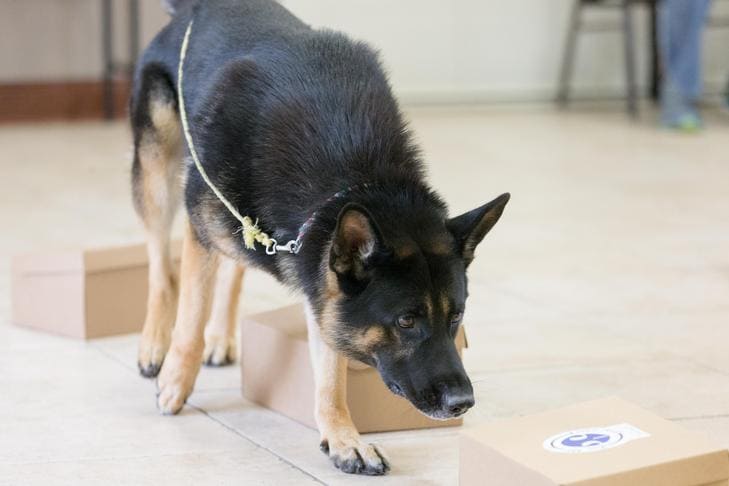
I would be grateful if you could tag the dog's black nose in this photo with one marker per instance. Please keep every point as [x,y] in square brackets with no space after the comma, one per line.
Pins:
[458,403]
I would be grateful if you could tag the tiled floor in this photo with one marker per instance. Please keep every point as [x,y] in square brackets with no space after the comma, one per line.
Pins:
[608,275]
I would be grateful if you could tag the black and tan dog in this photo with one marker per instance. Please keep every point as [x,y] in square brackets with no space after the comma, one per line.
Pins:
[298,128]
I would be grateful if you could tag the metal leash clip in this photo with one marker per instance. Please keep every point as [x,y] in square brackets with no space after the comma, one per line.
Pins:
[293,247]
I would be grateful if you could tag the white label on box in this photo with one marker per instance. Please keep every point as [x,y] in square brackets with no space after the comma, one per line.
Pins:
[593,439]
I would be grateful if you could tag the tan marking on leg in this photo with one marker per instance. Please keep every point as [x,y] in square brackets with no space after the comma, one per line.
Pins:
[157,196]
[340,439]
[220,342]
[210,211]
[329,319]
[167,124]
[183,360]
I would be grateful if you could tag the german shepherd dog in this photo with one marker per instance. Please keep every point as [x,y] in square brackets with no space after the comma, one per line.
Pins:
[296,125]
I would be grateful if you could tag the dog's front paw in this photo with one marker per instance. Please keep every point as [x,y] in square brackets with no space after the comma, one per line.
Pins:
[353,456]
[219,350]
[176,380]
[152,351]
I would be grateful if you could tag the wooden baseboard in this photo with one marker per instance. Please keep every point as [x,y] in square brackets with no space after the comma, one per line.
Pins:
[78,100]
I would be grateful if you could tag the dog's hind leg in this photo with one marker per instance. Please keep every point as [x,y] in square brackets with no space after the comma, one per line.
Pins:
[340,439]
[220,345]
[157,188]
[183,360]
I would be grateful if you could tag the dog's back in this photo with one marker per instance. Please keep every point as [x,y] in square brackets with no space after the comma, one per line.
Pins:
[284,116]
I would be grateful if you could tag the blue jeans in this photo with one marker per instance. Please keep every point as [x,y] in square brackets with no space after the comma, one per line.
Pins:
[680,28]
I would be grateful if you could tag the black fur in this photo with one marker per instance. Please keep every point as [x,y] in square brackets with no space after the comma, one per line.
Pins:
[283,117]
[173,6]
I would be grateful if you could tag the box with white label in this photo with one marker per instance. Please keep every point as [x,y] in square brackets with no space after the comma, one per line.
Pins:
[606,442]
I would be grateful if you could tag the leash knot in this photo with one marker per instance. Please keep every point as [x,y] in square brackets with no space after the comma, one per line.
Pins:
[252,233]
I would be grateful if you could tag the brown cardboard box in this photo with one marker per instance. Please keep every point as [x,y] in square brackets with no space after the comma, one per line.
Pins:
[277,374]
[83,293]
[606,442]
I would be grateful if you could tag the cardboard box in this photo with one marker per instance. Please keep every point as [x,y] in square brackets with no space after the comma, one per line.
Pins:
[83,293]
[606,442]
[277,374]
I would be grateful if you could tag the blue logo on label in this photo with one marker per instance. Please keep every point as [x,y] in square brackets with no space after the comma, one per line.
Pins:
[586,440]
[593,439]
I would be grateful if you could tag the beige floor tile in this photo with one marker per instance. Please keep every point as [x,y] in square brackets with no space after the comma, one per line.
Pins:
[245,466]
[700,337]
[124,350]
[81,417]
[418,457]
[668,385]
[510,344]
[86,405]
[27,339]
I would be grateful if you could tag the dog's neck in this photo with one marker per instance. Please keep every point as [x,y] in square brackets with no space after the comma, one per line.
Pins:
[304,228]
[398,205]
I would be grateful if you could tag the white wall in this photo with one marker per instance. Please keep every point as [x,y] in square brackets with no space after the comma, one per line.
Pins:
[493,49]
[435,50]
[45,40]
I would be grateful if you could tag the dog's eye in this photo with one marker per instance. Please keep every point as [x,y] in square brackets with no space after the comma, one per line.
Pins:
[457,318]
[406,321]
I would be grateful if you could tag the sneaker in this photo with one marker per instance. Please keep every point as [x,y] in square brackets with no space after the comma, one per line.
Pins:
[677,112]
[688,122]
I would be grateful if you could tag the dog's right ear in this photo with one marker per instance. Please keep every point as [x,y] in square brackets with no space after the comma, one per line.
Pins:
[356,242]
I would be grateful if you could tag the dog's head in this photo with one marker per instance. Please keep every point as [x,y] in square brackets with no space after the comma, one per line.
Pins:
[397,300]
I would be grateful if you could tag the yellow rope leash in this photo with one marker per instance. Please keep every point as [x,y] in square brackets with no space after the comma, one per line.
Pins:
[251,232]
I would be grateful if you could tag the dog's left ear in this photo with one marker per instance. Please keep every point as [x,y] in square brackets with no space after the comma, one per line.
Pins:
[357,240]
[470,228]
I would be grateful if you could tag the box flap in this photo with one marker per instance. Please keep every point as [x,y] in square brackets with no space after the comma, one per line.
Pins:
[627,444]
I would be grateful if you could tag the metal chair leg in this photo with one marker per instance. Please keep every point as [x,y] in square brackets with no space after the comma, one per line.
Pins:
[133,33]
[107,57]
[568,57]
[629,44]
[655,74]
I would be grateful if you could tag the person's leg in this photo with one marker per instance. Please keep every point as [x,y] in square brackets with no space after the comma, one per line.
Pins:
[681,24]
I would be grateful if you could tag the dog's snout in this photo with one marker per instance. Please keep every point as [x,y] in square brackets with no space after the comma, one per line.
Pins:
[458,403]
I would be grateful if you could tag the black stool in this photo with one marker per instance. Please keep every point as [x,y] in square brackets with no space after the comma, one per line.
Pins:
[110,69]
[576,24]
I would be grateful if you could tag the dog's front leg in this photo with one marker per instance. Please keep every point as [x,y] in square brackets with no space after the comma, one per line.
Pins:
[220,346]
[183,360]
[340,440]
